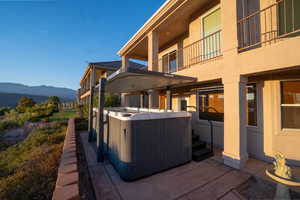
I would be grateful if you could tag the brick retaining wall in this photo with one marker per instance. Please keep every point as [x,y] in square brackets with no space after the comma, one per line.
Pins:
[67,183]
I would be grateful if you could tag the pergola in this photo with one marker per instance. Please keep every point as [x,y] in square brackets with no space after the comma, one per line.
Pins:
[127,81]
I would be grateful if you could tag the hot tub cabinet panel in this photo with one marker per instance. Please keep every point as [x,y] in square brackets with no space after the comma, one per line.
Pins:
[139,148]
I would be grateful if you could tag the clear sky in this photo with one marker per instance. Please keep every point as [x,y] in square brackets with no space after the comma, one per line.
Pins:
[49,42]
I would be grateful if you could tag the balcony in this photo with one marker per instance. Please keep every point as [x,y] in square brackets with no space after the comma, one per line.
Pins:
[201,51]
[275,22]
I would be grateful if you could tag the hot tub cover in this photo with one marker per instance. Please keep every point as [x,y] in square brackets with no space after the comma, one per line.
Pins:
[133,80]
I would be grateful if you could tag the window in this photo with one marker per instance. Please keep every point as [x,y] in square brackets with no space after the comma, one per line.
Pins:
[211,42]
[290,104]
[251,105]
[170,62]
[211,104]
[183,105]
[289,16]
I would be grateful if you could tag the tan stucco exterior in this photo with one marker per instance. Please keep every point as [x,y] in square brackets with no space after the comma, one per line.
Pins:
[262,65]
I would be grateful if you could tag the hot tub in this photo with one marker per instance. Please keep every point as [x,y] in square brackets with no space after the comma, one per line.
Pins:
[141,142]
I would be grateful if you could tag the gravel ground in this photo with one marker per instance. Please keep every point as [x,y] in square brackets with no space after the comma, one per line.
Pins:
[257,188]
[85,187]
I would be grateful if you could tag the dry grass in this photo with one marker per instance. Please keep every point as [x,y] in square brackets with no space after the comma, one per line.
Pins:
[28,170]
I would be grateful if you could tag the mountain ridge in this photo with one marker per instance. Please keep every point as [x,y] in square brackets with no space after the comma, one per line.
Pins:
[43,90]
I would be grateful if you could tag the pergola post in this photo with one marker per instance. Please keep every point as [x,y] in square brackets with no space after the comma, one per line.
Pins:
[169,99]
[150,99]
[142,100]
[100,132]
[153,49]
[92,85]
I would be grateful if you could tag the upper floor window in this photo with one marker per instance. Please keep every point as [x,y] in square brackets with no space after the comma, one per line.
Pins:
[290,104]
[170,62]
[211,40]
[289,16]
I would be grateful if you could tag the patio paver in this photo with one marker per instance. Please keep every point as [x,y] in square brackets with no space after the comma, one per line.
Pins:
[203,180]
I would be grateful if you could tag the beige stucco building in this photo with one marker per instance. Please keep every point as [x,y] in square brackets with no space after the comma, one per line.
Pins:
[245,56]
[96,70]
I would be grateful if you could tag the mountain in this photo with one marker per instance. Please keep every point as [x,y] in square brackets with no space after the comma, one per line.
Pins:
[15,88]
[11,100]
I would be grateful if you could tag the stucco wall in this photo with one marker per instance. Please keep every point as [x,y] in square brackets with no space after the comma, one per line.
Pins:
[284,141]
[263,140]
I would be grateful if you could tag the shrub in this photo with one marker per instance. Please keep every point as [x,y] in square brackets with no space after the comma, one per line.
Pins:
[4,125]
[4,110]
[24,104]
[54,101]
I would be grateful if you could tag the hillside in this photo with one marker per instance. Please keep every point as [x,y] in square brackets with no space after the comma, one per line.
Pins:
[11,100]
[15,88]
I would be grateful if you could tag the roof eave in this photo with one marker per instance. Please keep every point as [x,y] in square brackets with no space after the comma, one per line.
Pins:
[148,25]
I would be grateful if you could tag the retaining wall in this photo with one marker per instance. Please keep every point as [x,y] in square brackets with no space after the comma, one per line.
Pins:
[67,183]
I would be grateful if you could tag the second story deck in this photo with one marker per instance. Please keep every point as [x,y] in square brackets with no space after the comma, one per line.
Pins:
[184,34]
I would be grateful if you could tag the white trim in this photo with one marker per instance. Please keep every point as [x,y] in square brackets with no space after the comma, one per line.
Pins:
[290,105]
[129,114]
[291,130]
[285,130]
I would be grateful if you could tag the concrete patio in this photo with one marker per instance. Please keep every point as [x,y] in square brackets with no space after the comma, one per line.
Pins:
[209,179]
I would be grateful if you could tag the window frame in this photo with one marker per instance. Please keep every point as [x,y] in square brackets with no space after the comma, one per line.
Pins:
[222,89]
[167,55]
[216,89]
[281,105]
[182,98]
[206,14]
[256,104]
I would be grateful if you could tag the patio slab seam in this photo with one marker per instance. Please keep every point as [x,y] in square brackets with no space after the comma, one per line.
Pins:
[201,185]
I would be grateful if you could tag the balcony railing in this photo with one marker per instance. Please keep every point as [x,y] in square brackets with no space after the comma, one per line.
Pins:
[277,21]
[200,51]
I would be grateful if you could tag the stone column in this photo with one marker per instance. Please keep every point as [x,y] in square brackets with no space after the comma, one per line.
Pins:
[235,133]
[153,51]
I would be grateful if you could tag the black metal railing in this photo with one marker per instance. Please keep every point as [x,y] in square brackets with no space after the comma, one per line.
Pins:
[279,20]
[207,48]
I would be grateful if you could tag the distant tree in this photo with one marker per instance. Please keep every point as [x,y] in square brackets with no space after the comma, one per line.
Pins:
[110,100]
[54,100]
[24,104]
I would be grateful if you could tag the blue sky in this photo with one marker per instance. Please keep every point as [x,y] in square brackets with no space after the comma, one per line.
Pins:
[45,42]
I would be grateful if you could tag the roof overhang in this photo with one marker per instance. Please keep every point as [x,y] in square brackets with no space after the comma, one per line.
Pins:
[134,80]
[171,22]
